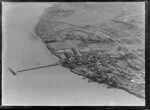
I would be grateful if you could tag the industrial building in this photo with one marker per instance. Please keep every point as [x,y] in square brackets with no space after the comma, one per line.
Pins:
[80,57]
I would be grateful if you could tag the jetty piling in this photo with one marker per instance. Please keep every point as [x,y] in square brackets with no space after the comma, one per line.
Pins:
[23,70]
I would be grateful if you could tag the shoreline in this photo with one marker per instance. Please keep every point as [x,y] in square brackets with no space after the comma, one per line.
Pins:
[57,84]
[52,51]
[118,87]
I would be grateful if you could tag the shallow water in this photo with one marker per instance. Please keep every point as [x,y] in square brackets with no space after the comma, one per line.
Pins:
[48,86]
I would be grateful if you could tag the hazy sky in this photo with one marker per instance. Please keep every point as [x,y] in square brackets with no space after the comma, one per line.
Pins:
[48,86]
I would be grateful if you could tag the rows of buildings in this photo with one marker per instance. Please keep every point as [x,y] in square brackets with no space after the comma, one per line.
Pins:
[80,57]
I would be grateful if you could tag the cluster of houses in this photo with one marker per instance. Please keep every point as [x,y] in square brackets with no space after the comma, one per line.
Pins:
[80,57]
[48,38]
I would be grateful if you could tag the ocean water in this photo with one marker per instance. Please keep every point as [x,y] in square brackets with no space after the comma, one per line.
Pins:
[48,86]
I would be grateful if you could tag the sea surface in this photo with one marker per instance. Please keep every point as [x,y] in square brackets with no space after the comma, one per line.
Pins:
[48,86]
